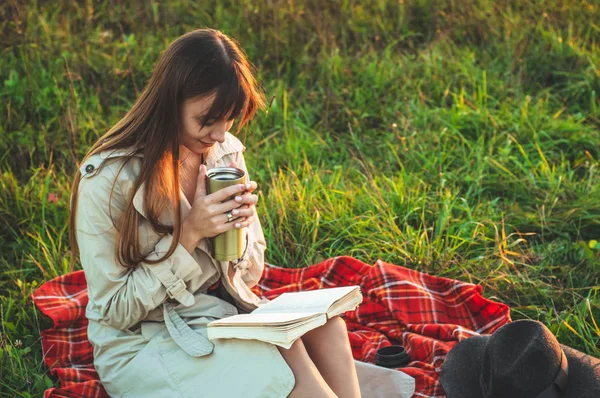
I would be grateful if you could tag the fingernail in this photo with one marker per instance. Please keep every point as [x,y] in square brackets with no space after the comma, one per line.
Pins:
[248,185]
[238,198]
[235,212]
[237,224]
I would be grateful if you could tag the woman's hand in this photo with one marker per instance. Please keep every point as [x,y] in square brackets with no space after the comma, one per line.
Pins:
[246,213]
[208,216]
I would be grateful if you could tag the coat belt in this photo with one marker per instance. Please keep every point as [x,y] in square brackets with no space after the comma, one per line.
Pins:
[190,341]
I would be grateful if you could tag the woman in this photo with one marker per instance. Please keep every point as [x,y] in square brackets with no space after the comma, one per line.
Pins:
[140,223]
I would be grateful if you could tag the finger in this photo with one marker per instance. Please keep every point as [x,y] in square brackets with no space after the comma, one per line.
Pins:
[224,193]
[245,223]
[243,212]
[201,185]
[251,186]
[233,164]
[228,226]
[250,199]
[224,219]
[223,208]
[244,198]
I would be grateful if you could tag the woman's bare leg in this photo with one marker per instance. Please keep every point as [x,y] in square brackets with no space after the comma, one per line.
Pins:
[309,382]
[329,348]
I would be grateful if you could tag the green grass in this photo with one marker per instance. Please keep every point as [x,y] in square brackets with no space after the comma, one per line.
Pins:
[459,138]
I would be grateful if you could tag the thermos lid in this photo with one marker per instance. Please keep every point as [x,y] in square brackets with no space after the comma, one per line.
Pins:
[393,356]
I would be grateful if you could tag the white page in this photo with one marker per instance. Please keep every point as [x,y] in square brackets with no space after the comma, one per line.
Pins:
[269,334]
[315,301]
[262,319]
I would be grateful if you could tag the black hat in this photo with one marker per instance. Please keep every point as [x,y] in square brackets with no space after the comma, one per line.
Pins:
[522,359]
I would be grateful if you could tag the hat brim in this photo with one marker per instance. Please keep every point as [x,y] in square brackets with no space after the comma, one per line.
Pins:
[584,375]
[462,368]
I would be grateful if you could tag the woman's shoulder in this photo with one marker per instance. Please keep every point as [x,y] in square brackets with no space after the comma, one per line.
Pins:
[104,168]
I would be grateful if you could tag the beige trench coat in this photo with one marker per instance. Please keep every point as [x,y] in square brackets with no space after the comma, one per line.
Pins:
[148,325]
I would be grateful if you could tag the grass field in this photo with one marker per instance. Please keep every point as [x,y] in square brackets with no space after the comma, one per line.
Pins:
[460,138]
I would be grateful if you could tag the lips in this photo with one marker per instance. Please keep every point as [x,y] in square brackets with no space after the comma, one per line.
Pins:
[207,144]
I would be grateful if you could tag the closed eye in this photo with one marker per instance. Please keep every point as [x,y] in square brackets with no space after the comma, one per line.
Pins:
[210,122]
[203,123]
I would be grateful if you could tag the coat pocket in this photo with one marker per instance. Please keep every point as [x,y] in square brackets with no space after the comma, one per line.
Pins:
[146,374]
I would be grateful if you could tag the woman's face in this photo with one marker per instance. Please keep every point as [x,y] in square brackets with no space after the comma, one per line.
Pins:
[194,136]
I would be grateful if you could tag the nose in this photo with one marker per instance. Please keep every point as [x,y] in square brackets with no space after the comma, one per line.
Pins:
[218,132]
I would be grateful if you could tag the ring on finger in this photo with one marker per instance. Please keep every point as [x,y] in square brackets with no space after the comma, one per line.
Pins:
[229,216]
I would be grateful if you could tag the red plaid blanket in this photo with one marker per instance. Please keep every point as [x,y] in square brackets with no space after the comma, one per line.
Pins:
[426,314]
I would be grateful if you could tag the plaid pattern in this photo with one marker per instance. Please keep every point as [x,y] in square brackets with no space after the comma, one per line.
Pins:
[67,351]
[426,314]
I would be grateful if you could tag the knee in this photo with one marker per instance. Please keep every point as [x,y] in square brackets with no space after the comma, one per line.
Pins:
[295,351]
[337,323]
[331,337]
[334,329]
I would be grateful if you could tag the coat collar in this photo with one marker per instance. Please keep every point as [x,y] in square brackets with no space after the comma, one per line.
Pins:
[231,145]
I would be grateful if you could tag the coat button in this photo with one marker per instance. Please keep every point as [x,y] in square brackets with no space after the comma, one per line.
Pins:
[89,168]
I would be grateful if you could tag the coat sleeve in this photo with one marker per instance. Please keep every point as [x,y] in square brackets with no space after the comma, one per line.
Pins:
[252,262]
[121,296]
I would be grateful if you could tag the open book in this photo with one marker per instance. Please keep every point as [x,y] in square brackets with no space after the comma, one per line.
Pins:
[287,317]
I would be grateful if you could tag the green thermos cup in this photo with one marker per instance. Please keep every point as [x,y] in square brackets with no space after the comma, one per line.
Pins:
[227,246]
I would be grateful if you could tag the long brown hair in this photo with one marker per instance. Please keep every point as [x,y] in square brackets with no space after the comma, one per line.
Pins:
[199,63]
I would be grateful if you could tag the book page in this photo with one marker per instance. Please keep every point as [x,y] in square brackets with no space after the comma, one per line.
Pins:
[281,335]
[312,301]
[254,319]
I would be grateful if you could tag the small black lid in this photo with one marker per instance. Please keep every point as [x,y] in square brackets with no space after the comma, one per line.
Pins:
[393,356]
